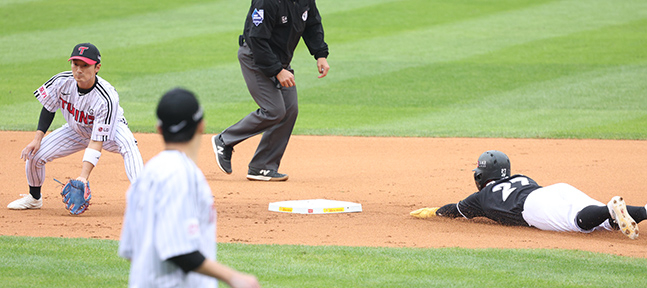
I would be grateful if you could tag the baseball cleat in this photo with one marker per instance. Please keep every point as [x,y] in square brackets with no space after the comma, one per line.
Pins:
[265,175]
[223,153]
[618,211]
[26,202]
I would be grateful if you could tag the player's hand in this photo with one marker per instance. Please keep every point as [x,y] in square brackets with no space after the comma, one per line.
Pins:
[286,78]
[33,146]
[424,213]
[322,67]
[82,179]
[242,280]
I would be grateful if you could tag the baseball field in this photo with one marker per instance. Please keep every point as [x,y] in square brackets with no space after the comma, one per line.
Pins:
[417,90]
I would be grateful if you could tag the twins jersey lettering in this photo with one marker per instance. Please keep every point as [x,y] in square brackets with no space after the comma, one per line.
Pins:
[95,115]
[169,213]
[92,115]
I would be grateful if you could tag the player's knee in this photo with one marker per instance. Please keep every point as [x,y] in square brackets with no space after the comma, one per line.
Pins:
[274,115]
[37,161]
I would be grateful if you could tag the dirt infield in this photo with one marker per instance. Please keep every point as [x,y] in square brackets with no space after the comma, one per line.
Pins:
[389,176]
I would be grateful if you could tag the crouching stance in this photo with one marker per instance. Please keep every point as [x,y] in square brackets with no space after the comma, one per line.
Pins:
[94,122]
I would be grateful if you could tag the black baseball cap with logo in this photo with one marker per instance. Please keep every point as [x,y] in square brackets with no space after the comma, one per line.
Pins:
[178,114]
[86,52]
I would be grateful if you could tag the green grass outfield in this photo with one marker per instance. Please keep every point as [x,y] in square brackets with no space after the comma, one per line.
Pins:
[81,262]
[507,68]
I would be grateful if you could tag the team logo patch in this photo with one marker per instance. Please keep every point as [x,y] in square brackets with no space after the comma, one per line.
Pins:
[284,19]
[304,16]
[42,91]
[257,16]
[192,228]
[103,130]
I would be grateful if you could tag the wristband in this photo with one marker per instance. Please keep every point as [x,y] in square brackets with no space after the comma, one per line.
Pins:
[91,156]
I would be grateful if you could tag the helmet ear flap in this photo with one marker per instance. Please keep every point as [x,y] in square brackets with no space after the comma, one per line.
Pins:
[478,177]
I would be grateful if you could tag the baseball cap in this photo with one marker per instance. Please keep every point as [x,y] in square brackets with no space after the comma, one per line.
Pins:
[86,52]
[178,111]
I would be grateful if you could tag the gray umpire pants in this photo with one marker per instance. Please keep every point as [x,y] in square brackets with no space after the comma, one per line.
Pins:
[275,117]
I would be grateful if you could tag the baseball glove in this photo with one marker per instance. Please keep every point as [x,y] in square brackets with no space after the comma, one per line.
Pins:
[424,213]
[76,196]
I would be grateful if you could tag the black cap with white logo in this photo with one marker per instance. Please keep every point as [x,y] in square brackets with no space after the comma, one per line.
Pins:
[178,111]
[86,52]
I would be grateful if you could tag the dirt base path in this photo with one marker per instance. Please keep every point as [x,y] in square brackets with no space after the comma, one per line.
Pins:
[389,176]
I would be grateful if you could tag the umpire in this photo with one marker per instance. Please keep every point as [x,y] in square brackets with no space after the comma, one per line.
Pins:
[272,31]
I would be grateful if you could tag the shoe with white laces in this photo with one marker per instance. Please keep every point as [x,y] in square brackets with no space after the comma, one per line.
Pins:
[265,175]
[26,202]
[618,211]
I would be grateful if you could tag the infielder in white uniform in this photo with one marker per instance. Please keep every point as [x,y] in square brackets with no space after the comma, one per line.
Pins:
[519,200]
[95,122]
[169,229]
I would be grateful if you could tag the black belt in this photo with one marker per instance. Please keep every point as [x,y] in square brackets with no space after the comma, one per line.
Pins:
[241,40]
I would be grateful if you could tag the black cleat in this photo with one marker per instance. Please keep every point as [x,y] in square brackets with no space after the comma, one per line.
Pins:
[223,153]
[265,175]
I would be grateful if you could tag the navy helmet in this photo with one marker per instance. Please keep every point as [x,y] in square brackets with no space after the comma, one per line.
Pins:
[492,165]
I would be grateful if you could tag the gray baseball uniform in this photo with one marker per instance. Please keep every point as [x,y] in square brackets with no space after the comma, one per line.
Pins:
[276,117]
[272,31]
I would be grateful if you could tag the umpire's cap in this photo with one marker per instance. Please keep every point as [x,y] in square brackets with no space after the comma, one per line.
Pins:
[178,115]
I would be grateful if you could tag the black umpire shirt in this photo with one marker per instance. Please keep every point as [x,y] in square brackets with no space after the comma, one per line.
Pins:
[273,29]
[501,201]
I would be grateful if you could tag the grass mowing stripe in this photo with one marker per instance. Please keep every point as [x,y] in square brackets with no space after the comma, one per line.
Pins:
[19,17]
[59,262]
[137,24]
[469,59]
[55,261]
[455,41]
[139,29]
[362,23]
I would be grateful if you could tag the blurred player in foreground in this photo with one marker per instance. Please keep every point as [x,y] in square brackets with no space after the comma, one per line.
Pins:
[169,229]
[519,201]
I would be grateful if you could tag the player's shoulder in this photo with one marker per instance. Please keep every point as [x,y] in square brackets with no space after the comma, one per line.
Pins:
[517,176]
[103,84]
[272,4]
[64,74]
[106,90]
[171,162]
[60,77]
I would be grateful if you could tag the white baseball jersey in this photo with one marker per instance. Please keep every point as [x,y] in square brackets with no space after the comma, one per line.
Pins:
[92,115]
[95,115]
[169,213]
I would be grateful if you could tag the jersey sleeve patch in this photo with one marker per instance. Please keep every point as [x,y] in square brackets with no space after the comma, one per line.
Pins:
[42,92]
[102,129]
[192,228]
[48,99]
[257,16]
